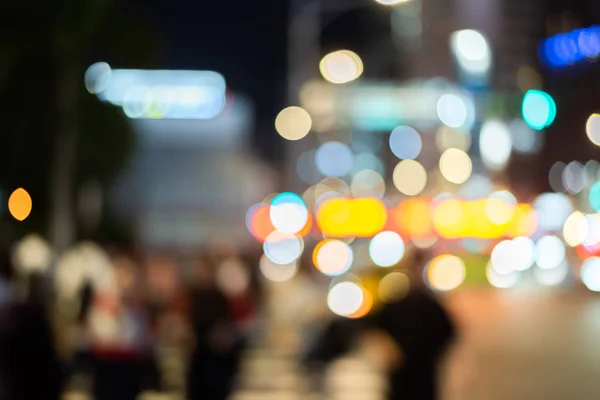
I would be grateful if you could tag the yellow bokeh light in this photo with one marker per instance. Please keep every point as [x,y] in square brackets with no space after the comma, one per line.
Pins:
[499,211]
[446,272]
[410,178]
[447,138]
[455,166]
[453,219]
[413,218]
[293,123]
[575,229]
[344,217]
[20,204]
[341,66]
[528,78]
[393,287]
[592,128]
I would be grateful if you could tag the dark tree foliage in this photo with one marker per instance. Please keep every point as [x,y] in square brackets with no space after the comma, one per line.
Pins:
[41,43]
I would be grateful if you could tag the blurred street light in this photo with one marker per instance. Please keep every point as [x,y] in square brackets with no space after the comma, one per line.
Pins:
[341,66]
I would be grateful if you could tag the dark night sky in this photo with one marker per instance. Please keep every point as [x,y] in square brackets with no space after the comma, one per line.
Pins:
[243,40]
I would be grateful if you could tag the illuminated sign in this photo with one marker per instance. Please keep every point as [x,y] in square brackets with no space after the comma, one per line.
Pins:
[384,106]
[569,48]
[165,94]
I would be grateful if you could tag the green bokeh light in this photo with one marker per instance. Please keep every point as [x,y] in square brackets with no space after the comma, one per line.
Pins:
[539,109]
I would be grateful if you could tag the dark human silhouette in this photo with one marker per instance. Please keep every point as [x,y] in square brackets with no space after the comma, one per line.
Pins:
[418,325]
[217,344]
[29,365]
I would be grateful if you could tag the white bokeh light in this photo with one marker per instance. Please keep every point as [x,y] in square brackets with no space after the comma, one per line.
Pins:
[452,111]
[345,298]
[386,249]
[590,273]
[550,252]
[334,159]
[472,51]
[282,248]
[495,144]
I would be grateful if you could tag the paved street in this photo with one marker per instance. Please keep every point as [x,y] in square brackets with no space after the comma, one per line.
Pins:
[525,346]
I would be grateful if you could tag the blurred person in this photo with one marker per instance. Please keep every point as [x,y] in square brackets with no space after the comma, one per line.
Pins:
[29,364]
[119,339]
[216,339]
[409,336]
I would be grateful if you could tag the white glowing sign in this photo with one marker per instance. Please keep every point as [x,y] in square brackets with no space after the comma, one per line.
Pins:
[165,94]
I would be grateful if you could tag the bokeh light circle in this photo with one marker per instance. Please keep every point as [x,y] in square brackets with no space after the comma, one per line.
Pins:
[590,274]
[525,253]
[503,256]
[592,128]
[472,51]
[501,281]
[386,249]
[367,183]
[410,178]
[446,272]
[594,196]
[345,298]
[552,277]
[334,159]
[393,287]
[277,272]
[333,257]
[552,210]
[20,204]
[495,144]
[538,109]
[575,229]
[293,123]
[341,66]
[550,252]
[455,166]
[446,138]
[97,77]
[405,142]
[288,213]
[573,178]
[282,248]
[452,110]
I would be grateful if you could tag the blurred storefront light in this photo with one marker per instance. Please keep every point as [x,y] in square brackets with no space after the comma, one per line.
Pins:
[164,94]
[348,217]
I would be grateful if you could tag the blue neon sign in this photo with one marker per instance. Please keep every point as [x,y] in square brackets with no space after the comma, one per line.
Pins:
[569,48]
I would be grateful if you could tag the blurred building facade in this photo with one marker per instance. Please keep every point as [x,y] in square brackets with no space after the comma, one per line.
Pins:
[191,181]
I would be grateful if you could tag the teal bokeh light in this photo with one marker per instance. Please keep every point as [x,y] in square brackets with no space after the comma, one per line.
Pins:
[594,196]
[539,109]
